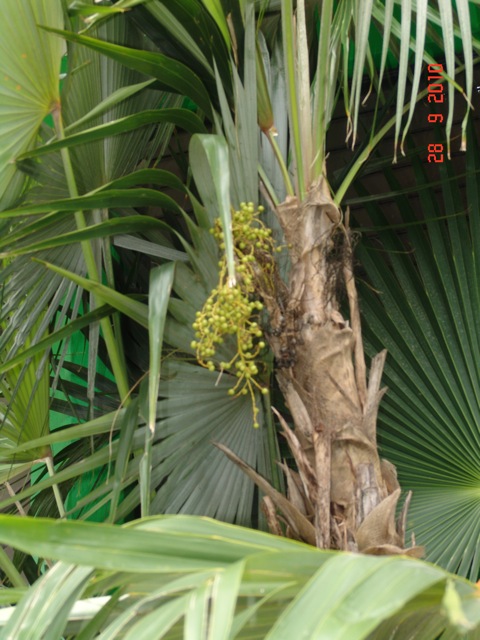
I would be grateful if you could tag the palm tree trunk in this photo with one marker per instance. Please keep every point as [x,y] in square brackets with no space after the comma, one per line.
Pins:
[322,376]
[343,496]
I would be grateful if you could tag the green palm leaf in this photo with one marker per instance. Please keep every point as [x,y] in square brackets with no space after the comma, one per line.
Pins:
[29,83]
[179,117]
[172,75]
[24,412]
[173,574]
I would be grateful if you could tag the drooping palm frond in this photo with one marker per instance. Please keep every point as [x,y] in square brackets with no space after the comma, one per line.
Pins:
[423,308]
[171,26]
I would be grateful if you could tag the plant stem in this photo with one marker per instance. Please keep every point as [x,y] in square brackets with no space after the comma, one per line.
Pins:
[323,87]
[113,349]
[289,52]
[111,283]
[12,494]
[56,491]
[11,570]
[304,92]
[281,162]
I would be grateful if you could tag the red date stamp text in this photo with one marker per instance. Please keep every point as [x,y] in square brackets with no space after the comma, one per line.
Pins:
[435,95]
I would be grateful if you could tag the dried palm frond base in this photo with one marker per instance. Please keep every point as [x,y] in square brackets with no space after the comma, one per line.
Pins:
[301,511]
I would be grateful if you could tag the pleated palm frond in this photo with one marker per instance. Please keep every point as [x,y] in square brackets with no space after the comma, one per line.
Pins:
[424,308]
[24,409]
[29,83]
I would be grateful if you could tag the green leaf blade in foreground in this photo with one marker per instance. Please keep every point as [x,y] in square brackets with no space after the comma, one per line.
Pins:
[362,591]
[180,117]
[161,281]
[210,168]
[162,619]
[46,608]
[131,308]
[172,74]
[155,549]
[184,563]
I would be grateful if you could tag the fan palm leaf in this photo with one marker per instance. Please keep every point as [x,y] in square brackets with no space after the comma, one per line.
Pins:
[29,86]
[430,415]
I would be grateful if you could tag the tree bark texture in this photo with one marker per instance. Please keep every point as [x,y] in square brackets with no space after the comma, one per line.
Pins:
[322,375]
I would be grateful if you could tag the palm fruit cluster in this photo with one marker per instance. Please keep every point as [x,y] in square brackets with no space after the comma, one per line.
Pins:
[234,310]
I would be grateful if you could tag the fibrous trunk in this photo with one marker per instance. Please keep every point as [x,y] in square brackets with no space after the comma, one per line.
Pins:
[343,495]
[354,493]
